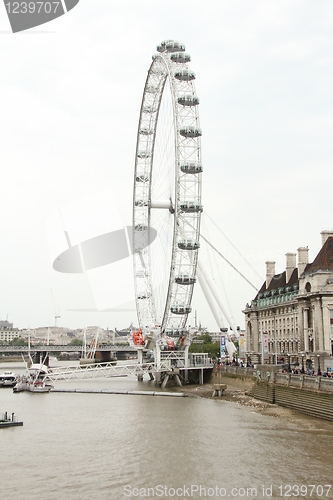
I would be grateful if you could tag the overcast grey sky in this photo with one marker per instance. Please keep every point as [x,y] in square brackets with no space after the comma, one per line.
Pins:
[70,99]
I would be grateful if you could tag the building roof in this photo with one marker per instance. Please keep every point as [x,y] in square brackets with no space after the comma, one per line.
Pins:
[324,259]
[279,281]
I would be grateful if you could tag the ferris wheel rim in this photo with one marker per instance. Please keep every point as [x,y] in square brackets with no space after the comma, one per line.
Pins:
[168,66]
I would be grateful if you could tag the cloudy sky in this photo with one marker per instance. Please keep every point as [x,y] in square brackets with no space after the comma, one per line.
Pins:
[70,98]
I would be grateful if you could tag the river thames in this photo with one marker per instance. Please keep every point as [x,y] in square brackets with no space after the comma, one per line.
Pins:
[83,446]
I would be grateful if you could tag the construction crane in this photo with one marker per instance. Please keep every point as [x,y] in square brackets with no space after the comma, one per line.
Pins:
[56,316]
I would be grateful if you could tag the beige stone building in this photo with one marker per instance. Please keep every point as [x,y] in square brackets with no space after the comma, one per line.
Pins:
[294,311]
[7,332]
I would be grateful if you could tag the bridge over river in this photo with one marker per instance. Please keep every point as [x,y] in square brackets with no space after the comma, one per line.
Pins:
[105,352]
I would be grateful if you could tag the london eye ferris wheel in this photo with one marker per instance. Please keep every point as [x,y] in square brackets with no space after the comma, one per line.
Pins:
[167,192]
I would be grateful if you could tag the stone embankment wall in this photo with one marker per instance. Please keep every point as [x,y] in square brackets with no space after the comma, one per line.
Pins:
[306,394]
[237,371]
[289,391]
[321,384]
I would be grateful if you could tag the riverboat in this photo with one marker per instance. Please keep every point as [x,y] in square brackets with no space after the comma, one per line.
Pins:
[35,380]
[8,379]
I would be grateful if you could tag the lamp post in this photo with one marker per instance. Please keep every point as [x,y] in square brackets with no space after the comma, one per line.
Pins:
[273,311]
[294,338]
[302,371]
[319,371]
[289,368]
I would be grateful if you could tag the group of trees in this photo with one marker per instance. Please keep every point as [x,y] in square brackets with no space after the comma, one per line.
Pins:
[206,344]
[19,342]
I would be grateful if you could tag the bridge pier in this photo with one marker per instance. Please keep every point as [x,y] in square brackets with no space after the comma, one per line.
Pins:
[173,374]
[158,378]
[165,380]
[201,376]
[219,390]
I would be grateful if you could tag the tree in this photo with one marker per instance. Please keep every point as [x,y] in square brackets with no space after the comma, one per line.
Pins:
[76,342]
[18,341]
[206,345]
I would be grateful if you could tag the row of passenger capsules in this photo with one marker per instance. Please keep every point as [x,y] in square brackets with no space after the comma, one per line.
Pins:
[177,55]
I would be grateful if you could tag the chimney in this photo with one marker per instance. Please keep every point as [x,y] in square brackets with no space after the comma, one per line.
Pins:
[303,259]
[325,234]
[270,272]
[290,265]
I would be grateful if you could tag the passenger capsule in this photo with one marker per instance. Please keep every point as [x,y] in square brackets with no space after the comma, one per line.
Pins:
[191,207]
[180,57]
[169,332]
[185,279]
[144,154]
[141,203]
[140,227]
[173,46]
[188,100]
[190,132]
[180,309]
[144,296]
[142,178]
[188,244]
[191,168]
[175,332]
[161,46]
[184,75]
[145,131]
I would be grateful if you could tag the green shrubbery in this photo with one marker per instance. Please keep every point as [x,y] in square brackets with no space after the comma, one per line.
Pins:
[18,341]
[206,345]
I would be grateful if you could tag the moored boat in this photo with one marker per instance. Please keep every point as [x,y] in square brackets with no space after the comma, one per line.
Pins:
[37,386]
[35,380]
[8,379]
[9,421]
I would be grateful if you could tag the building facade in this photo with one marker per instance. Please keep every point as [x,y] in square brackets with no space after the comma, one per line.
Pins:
[7,332]
[292,314]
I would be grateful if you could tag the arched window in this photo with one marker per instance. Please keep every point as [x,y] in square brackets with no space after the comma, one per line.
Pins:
[308,287]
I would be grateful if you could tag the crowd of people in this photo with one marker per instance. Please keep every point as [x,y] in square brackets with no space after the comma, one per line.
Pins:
[285,369]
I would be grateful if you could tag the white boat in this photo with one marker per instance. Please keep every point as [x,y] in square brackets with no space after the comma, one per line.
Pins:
[34,381]
[37,386]
[37,378]
[36,375]
[8,379]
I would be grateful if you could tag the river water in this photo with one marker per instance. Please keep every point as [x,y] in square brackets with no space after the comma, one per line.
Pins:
[101,446]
